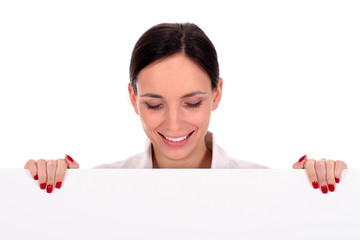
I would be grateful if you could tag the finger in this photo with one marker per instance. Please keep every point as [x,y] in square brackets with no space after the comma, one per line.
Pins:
[69,160]
[300,163]
[51,170]
[31,166]
[339,167]
[60,172]
[310,170]
[321,174]
[330,178]
[42,174]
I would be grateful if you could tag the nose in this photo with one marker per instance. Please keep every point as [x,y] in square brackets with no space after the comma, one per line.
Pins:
[173,119]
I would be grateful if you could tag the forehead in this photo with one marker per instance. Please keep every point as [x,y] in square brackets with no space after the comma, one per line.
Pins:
[176,74]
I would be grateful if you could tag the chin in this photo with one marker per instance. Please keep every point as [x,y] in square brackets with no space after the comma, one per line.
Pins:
[177,155]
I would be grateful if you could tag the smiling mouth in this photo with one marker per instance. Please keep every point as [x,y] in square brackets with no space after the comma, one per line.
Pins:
[178,139]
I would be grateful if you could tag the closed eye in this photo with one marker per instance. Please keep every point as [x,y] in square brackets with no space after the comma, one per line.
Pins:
[194,105]
[153,107]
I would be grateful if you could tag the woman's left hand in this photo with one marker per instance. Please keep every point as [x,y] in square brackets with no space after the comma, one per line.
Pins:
[323,173]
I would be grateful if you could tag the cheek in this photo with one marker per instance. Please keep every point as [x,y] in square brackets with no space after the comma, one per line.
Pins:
[149,119]
[201,117]
[204,119]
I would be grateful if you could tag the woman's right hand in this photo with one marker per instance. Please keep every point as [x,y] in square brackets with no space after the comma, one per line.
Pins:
[50,172]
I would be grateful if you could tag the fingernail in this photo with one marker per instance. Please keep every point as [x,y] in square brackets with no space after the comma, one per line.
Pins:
[337,180]
[331,187]
[324,189]
[49,188]
[70,158]
[43,186]
[36,177]
[315,185]
[58,184]
[303,158]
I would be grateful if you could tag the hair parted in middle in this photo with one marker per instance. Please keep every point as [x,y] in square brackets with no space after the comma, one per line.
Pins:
[166,39]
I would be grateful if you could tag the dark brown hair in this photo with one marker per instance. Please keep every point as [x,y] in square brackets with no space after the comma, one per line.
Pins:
[166,39]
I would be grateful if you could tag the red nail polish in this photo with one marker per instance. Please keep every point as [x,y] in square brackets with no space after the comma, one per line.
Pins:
[58,184]
[69,158]
[303,158]
[324,189]
[337,180]
[315,185]
[43,186]
[331,187]
[49,188]
[36,177]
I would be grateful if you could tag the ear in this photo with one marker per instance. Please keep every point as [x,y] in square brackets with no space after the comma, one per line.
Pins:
[217,95]
[133,98]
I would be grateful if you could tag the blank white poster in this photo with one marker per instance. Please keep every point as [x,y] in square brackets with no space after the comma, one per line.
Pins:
[179,204]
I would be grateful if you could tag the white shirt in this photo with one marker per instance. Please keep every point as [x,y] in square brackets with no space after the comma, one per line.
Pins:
[219,158]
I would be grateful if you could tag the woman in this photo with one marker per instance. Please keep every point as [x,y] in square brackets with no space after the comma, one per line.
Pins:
[174,86]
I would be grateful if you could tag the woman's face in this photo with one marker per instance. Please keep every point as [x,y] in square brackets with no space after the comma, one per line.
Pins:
[174,101]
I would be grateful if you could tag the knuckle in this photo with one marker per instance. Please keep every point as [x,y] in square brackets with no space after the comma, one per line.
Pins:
[330,166]
[41,161]
[319,164]
[30,165]
[27,165]
[31,161]
[340,163]
[329,162]
[309,163]
[51,163]
[61,162]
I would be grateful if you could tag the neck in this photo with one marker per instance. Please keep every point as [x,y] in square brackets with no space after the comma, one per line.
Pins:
[200,159]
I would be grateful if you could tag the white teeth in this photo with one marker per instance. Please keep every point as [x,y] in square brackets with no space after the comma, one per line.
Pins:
[176,139]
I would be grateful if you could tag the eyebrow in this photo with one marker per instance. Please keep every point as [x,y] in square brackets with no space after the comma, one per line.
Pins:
[151,95]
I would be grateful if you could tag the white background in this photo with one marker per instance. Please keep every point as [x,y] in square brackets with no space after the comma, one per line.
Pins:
[290,69]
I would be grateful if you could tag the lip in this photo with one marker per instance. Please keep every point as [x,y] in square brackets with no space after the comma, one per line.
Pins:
[176,144]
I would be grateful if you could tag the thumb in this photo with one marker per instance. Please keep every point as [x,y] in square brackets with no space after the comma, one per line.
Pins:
[300,163]
[70,161]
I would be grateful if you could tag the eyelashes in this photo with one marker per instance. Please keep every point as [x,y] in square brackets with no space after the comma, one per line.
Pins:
[194,105]
[159,106]
[153,107]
